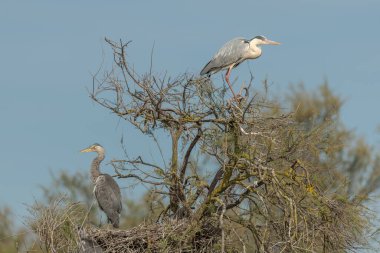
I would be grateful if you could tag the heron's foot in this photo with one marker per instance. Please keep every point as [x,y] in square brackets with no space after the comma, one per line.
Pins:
[236,98]
[234,101]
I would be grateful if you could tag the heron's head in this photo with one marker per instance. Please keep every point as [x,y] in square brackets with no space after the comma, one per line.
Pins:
[262,40]
[94,148]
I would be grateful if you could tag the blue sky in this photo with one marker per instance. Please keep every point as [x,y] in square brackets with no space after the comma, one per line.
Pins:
[48,50]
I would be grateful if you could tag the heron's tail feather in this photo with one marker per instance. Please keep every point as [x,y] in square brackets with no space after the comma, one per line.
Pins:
[114,220]
[206,69]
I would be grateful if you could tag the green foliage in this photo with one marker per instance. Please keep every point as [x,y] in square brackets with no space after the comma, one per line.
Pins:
[341,149]
[145,210]
[76,187]
[56,224]
[12,240]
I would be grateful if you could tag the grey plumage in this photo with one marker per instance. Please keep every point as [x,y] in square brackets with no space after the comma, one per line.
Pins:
[234,52]
[106,190]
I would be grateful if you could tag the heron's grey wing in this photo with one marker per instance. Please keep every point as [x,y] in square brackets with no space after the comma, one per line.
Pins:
[107,193]
[231,53]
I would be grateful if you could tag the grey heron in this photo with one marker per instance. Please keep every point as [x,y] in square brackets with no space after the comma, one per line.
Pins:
[234,52]
[107,191]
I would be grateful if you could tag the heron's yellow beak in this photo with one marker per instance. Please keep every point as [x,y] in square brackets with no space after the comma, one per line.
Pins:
[86,150]
[271,42]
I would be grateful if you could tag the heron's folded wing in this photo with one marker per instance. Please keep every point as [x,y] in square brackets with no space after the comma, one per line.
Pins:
[231,53]
[108,194]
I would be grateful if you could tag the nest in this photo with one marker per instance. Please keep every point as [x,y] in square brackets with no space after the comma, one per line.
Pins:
[171,236]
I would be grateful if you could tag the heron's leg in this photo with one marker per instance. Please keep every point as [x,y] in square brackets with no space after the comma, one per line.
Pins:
[228,80]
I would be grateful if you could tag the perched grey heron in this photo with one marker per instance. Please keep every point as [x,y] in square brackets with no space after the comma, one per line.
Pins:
[106,190]
[234,52]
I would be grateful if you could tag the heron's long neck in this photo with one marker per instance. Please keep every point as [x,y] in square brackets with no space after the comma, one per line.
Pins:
[95,172]
[255,49]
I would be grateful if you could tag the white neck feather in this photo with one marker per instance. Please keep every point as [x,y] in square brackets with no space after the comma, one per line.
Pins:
[255,49]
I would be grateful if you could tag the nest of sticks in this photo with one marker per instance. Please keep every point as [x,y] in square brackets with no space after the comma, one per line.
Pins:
[170,236]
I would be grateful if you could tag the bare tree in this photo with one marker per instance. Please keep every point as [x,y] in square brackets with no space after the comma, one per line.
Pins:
[267,170]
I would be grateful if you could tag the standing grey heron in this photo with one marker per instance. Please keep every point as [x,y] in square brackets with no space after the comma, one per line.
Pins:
[234,52]
[106,190]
